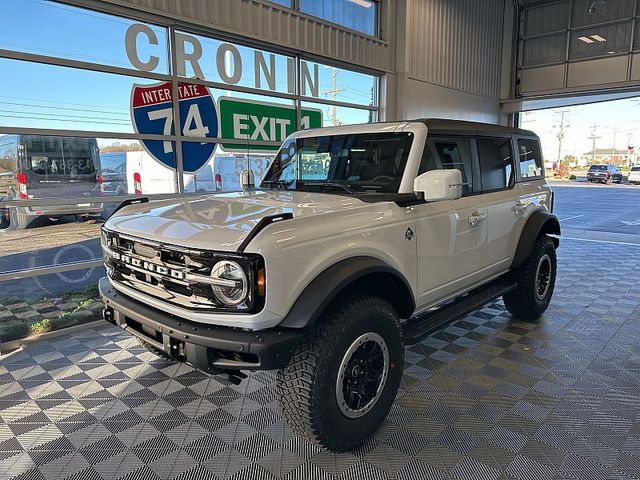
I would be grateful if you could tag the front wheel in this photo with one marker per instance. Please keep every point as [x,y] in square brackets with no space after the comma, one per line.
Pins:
[340,384]
[536,281]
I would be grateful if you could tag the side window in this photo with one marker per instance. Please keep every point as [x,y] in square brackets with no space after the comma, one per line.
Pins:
[496,167]
[530,159]
[448,154]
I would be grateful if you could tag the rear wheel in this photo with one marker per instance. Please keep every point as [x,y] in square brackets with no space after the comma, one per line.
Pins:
[536,281]
[11,219]
[5,218]
[340,384]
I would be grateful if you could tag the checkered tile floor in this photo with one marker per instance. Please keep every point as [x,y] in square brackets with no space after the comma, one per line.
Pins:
[487,398]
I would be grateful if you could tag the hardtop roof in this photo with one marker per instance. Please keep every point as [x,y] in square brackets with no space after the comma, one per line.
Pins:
[463,127]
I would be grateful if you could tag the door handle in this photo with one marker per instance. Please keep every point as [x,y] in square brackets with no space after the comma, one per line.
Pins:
[476,218]
[518,208]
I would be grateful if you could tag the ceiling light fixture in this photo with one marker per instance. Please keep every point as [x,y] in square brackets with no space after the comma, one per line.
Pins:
[586,39]
[598,38]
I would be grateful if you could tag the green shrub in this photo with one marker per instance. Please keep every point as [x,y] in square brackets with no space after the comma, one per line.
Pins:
[43,326]
[572,177]
[13,330]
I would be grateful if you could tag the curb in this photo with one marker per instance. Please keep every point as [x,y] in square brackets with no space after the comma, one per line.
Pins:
[16,344]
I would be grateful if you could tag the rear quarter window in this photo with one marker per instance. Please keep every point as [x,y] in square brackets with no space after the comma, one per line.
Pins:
[530,159]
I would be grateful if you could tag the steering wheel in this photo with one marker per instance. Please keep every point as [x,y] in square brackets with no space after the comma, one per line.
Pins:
[382,177]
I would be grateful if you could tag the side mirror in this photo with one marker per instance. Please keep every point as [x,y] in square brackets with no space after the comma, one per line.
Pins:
[439,185]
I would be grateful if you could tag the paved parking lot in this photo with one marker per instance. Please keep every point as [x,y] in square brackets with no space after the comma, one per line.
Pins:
[602,208]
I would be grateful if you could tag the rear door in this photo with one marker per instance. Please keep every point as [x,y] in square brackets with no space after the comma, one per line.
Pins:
[452,235]
[531,188]
[43,166]
[81,167]
[62,167]
[500,197]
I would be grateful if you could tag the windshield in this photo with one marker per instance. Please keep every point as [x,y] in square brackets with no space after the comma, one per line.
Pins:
[372,162]
[635,169]
[596,168]
[60,155]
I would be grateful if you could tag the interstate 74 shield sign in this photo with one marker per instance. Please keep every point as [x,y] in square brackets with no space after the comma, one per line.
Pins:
[151,113]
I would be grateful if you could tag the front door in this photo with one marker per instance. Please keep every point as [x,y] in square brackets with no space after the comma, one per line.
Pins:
[452,235]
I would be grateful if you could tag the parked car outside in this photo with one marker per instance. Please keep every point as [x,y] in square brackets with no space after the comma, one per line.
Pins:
[634,175]
[34,167]
[604,174]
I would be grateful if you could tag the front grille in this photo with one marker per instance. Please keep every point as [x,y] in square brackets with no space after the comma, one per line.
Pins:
[168,272]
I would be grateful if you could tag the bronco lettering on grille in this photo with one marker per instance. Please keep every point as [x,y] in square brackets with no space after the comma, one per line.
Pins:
[148,266]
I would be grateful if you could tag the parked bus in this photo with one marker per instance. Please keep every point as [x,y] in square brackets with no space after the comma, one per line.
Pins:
[39,167]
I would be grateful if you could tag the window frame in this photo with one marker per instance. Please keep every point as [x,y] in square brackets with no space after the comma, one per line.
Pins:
[476,181]
[514,173]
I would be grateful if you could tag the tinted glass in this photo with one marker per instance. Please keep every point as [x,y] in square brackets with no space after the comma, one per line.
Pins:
[449,154]
[635,169]
[371,162]
[359,15]
[530,159]
[60,156]
[495,163]
[597,168]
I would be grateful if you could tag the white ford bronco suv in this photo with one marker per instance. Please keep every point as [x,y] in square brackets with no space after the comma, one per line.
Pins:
[360,240]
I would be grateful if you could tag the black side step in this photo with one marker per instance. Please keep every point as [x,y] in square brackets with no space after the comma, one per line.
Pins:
[421,326]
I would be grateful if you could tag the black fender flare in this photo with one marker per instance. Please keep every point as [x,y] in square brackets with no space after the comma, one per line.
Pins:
[538,222]
[335,279]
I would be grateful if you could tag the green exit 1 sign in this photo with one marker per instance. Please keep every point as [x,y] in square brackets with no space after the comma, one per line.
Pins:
[267,122]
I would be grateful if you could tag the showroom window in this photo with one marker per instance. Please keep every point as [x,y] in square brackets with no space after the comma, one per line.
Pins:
[359,15]
[95,110]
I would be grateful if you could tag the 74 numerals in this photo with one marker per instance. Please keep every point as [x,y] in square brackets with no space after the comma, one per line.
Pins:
[194,119]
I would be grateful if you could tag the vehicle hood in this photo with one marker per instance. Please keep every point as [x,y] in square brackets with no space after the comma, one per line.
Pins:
[220,221]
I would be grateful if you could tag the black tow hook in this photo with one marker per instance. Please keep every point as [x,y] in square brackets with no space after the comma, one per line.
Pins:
[108,315]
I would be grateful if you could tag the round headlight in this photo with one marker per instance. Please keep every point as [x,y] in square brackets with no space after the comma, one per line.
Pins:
[233,287]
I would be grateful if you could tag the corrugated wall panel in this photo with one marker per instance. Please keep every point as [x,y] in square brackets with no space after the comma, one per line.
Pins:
[457,44]
[269,23]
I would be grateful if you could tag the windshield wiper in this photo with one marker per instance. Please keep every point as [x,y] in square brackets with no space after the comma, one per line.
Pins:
[334,185]
[277,183]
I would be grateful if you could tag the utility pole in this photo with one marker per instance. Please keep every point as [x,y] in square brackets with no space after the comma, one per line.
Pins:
[560,134]
[334,94]
[594,137]
[613,149]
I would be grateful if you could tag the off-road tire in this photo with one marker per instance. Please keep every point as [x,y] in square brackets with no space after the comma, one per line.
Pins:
[307,385]
[524,302]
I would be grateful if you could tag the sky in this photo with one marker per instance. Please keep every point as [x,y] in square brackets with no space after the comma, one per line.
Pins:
[617,125]
[44,96]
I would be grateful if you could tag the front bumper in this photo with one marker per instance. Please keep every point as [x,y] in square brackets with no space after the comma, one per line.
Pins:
[209,348]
